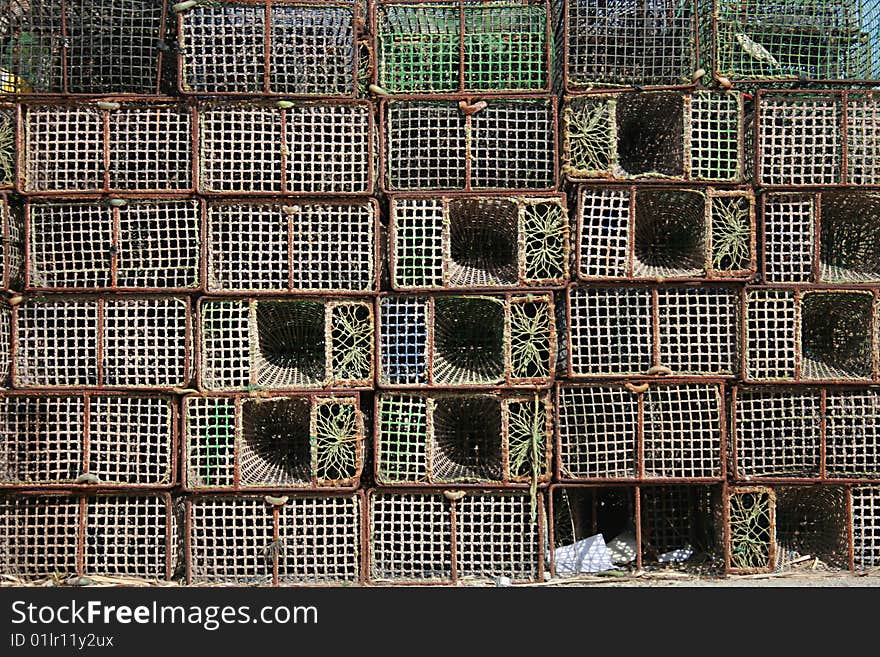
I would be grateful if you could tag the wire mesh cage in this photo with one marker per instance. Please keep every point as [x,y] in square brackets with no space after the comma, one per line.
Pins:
[798,334]
[127,145]
[102,342]
[652,330]
[293,47]
[638,43]
[750,534]
[491,438]
[435,537]
[248,344]
[820,40]
[8,149]
[236,442]
[275,248]
[463,46]
[87,439]
[286,147]
[294,539]
[64,535]
[462,143]
[82,46]
[865,502]
[478,242]
[678,522]
[5,344]
[663,233]
[466,341]
[665,431]
[654,135]
[120,244]
[12,250]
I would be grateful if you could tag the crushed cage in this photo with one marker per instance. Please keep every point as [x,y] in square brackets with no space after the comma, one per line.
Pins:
[865,510]
[478,242]
[429,536]
[84,47]
[451,341]
[102,342]
[830,41]
[291,343]
[646,232]
[472,439]
[637,43]
[460,46]
[87,439]
[276,248]
[798,334]
[292,47]
[652,330]
[118,244]
[12,250]
[456,142]
[302,148]
[792,433]
[812,138]
[663,431]
[654,136]
[237,442]
[295,539]
[55,535]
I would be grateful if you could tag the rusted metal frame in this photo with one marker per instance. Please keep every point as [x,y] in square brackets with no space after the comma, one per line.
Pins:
[276,534]
[267,64]
[99,343]
[285,149]
[86,434]
[6,217]
[875,335]
[734,437]
[850,530]
[65,76]
[640,436]
[844,138]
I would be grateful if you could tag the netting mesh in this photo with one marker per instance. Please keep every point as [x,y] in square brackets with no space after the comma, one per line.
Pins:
[670,233]
[849,248]
[7,144]
[468,340]
[863,121]
[403,340]
[752,529]
[852,433]
[12,249]
[402,439]
[771,344]
[31,42]
[866,526]
[789,234]
[224,344]
[604,231]
[39,536]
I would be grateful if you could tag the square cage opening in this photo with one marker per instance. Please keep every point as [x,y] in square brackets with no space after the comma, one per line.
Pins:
[650,133]
[291,342]
[276,442]
[852,433]
[670,233]
[469,340]
[677,524]
[483,242]
[836,335]
[850,237]
[812,520]
[467,439]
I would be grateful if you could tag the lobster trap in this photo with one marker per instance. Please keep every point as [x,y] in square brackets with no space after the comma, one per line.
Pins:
[292,47]
[655,135]
[639,43]
[287,147]
[273,248]
[799,434]
[56,535]
[83,47]
[645,232]
[294,539]
[88,439]
[236,442]
[663,431]
[439,439]
[803,335]
[459,46]
[101,342]
[8,144]
[828,41]
[865,510]
[423,536]
[12,249]
[248,344]
[120,244]
[478,242]
[463,143]
[817,138]
[652,330]
[466,341]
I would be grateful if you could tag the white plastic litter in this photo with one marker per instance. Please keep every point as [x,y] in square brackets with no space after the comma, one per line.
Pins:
[623,547]
[588,555]
[677,556]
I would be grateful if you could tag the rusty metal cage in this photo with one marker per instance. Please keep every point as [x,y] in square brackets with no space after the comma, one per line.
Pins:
[665,431]
[83,47]
[274,441]
[462,143]
[296,539]
[463,439]
[636,43]
[653,233]
[101,342]
[802,334]
[466,341]
[292,47]
[12,250]
[94,440]
[865,513]
[459,46]
[654,136]
[5,344]
[276,248]
[290,343]
[285,147]
[423,536]
[120,244]
[652,330]
[476,242]
[58,535]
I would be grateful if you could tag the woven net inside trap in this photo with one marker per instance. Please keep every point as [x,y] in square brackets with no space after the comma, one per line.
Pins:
[836,329]
[7,146]
[850,237]
[752,529]
[468,340]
